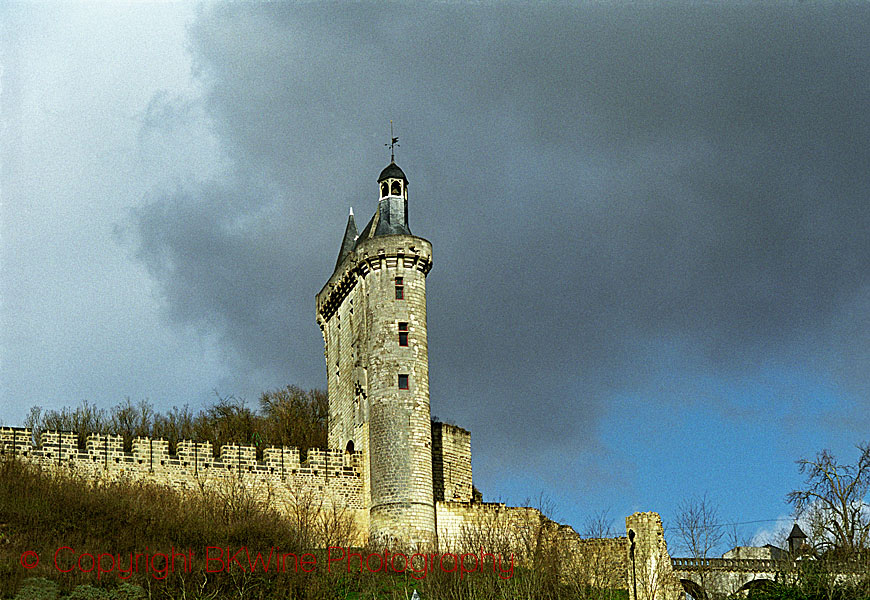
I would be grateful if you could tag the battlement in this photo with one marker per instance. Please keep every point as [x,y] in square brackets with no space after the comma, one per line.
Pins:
[63,447]
[334,474]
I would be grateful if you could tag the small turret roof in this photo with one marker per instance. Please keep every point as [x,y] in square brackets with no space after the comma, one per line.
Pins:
[392,170]
[349,240]
[796,532]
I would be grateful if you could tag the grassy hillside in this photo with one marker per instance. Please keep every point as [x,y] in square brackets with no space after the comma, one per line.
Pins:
[42,512]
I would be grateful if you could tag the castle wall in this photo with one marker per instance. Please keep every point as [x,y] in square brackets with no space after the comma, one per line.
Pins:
[652,575]
[535,539]
[327,479]
[451,463]
[598,562]
[347,360]
[332,478]
[490,525]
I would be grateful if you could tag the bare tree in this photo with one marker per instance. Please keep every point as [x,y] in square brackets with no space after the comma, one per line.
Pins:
[35,421]
[834,501]
[84,420]
[131,420]
[175,426]
[295,417]
[735,537]
[599,525]
[595,567]
[697,521]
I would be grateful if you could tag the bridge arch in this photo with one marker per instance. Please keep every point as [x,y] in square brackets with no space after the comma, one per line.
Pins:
[694,589]
[755,584]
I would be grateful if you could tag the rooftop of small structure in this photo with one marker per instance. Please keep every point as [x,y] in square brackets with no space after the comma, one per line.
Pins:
[392,171]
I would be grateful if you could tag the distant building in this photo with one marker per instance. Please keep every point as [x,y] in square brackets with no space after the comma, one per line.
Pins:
[766,552]
[797,540]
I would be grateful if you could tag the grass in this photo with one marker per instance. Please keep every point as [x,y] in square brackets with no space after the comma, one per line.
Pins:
[42,511]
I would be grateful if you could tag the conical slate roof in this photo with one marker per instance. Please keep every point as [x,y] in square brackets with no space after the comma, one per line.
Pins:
[347,243]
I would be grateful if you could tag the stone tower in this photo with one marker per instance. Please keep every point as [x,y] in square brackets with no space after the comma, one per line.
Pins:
[372,313]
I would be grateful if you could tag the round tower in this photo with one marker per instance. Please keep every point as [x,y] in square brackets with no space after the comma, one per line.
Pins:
[373,316]
[400,434]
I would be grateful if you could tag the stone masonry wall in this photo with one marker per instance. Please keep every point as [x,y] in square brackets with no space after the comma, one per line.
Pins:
[491,525]
[599,562]
[331,477]
[526,532]
[399,420]
[652,574]
[451,463]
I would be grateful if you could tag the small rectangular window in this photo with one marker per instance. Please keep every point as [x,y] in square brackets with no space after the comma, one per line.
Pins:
[403,382]
[400,289]
[403,334]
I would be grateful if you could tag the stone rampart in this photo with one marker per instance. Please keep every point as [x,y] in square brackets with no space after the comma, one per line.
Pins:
[651,572]
[535,539]
[451,462]
[329,477]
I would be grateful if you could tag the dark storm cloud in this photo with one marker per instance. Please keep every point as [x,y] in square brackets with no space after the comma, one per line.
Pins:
[596,181]
[219,253]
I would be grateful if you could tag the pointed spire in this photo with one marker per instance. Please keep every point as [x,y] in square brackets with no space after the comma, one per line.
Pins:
[350,235]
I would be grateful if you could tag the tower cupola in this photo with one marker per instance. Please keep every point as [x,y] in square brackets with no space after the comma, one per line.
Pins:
[393,201]
[393,183]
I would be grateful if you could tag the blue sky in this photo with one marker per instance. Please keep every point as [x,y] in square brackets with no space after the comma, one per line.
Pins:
[649,224]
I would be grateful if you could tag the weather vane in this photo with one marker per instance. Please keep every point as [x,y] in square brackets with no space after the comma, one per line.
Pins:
[394,142]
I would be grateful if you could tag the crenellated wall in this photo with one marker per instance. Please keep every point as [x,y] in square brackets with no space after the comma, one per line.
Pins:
[332,477]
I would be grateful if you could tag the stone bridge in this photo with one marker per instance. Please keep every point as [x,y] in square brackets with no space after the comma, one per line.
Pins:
[710,578]
[705,578]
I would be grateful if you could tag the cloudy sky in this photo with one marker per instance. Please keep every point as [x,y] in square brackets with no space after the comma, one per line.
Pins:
[650,224]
